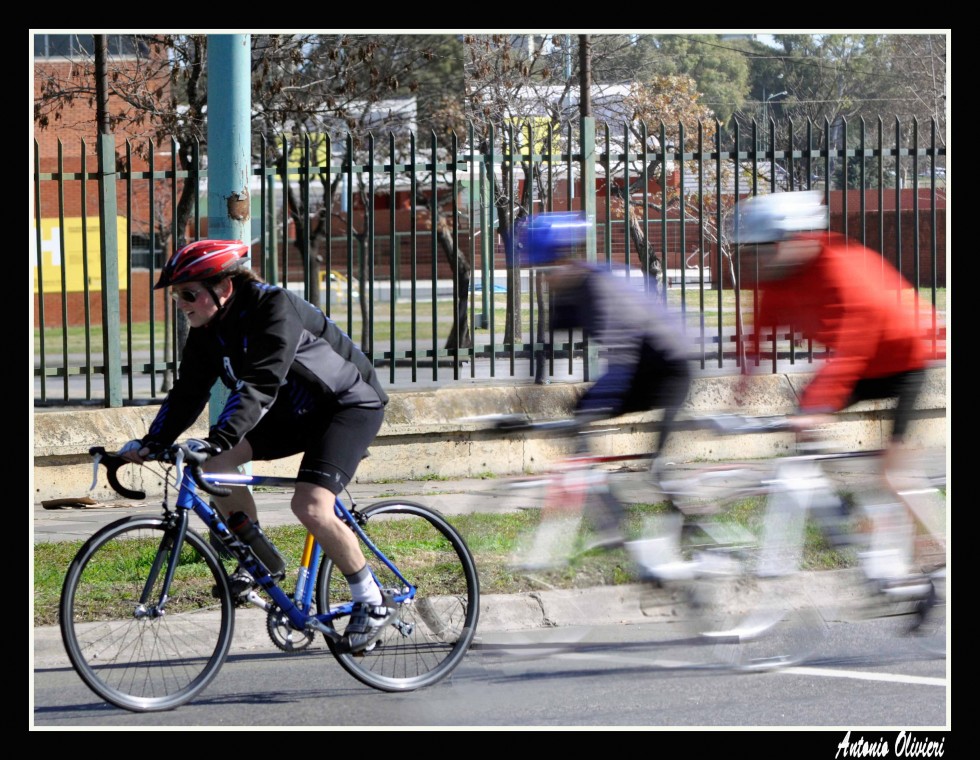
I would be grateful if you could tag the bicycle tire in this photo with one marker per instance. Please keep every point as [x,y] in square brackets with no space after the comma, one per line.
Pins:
[929,630]
[754,623]
[431,633]
[145,663]
[746,598]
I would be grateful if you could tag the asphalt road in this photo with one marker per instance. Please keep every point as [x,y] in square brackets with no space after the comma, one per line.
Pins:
[626,668]
[620,675]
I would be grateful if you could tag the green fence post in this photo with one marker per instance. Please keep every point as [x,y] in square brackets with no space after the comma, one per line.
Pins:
[587,142]
[486,240]
[109,254]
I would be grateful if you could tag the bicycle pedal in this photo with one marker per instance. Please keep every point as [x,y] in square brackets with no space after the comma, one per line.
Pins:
[908,591]
[367,650]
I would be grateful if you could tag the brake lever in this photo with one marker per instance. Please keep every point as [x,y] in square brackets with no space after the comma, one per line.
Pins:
[179,464]
[96,458]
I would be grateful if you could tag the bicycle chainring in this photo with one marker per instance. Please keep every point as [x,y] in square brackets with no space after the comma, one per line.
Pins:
[284,636]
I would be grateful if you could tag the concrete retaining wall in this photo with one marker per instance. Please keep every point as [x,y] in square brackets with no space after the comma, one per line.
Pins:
[423,435]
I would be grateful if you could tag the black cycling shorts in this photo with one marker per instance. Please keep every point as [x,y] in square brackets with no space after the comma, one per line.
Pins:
[903,386]
[658,384]
[334,441]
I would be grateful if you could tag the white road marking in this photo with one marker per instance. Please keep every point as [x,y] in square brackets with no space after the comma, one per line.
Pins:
[670,664]
[864,676]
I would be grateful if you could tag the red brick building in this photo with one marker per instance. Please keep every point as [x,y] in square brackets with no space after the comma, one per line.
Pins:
[66,203]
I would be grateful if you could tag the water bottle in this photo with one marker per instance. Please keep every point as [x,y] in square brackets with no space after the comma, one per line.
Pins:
[252,534]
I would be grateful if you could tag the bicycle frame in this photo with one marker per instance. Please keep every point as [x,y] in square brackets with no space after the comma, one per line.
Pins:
[140,658]
[296,608]
[800,487]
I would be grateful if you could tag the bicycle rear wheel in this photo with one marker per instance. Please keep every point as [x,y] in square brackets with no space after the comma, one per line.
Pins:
[432,632]
[929,630]
[126,652]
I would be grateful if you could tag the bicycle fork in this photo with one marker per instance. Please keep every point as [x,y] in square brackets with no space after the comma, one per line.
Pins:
[169,551]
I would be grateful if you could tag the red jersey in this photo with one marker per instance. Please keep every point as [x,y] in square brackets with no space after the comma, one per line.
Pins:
[855,303]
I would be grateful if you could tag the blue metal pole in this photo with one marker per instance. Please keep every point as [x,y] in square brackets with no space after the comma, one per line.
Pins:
[229,151]
[229,137]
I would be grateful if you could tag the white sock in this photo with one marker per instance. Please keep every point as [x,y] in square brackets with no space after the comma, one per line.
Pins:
[363,587]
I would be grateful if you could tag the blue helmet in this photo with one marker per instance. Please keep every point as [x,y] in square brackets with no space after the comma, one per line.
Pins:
[551,235]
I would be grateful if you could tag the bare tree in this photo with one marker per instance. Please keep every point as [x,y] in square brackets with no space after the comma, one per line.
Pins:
[522,93]
[301,85]
[827,82]
[673,103]
[921,64]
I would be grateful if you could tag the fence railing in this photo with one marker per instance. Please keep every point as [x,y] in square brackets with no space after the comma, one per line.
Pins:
[411,253]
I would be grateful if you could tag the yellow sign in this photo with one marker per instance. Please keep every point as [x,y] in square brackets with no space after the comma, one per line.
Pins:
[527,128]
[318,151]
[71,256]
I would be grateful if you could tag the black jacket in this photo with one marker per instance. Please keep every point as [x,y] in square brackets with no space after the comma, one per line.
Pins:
[268,346]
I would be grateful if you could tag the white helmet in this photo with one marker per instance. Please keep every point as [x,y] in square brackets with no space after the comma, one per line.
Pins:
[769,218]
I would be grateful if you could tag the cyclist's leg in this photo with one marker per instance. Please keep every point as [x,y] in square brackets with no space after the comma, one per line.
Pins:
[326,469]
[658,552]
[672,392]
[663,385]
[900,472]
[314,507]
[904,472]
[240,499]
[333,441]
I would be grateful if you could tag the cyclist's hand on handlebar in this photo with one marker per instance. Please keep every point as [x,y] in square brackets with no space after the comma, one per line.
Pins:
[200,450]
[134,451]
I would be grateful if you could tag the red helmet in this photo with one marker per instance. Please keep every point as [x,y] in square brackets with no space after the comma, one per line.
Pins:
[203,260]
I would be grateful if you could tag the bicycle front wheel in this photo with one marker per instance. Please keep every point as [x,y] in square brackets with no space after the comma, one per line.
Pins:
[432,632]
[754,623]
[127,650]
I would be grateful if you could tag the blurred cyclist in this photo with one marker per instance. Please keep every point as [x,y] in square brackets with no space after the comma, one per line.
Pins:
[297,384]
[852,301]
[646,360]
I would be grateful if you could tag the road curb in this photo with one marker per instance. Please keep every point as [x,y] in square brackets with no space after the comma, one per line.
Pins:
[830,591]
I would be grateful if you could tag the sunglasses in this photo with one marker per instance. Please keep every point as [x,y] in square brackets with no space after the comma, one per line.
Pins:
[189,296]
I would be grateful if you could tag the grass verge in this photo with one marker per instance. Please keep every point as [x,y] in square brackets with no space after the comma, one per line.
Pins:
[493,538]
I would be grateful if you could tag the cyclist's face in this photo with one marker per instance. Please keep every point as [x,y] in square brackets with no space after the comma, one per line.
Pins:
[196,302]
[563,273]
[782,259]
[758,262]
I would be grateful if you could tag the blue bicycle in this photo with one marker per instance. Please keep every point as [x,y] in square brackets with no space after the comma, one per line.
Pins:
[147,615]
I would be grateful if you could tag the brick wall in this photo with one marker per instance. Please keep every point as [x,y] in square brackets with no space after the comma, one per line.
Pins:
[140,304]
